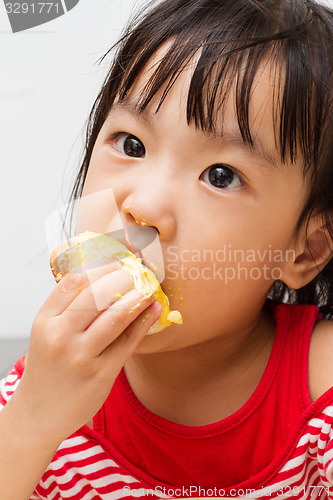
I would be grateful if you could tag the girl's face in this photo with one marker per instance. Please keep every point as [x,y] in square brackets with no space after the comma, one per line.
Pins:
[225,213]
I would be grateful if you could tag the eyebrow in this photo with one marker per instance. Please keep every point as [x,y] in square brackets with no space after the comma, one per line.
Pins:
[145,115]
[230,137]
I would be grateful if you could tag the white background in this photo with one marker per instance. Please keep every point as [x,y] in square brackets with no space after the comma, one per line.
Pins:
[49,79]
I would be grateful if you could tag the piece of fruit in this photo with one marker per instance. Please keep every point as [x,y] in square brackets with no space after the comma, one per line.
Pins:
[92,249]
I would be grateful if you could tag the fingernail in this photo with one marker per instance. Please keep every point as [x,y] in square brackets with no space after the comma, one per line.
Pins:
[155,309]
[153,312]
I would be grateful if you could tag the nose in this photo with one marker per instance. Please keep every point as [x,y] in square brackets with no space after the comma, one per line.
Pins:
[150,203]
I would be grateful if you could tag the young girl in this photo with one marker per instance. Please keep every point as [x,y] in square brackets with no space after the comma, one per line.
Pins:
[213,127]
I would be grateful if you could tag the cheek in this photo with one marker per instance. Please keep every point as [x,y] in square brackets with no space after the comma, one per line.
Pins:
[230,277]
[241,260]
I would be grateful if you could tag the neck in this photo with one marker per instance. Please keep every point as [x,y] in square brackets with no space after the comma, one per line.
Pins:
[203,370]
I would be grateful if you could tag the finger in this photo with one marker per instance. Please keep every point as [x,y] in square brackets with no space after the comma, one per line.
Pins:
[124,346]
[70,286]
[95,299]
[113,321]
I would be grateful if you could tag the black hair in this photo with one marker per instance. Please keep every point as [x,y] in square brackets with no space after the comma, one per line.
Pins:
[230,35]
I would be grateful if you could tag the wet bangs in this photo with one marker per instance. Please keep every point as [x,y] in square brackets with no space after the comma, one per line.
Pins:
[216,72]
[226,55]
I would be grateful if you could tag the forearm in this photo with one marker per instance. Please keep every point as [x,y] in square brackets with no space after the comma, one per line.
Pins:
[24,453]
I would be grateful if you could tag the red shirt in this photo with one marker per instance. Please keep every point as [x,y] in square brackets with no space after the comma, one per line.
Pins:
[250,439]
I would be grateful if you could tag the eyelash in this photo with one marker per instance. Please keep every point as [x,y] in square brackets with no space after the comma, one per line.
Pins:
[234,171]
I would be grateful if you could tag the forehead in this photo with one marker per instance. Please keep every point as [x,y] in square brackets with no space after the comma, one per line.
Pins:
[173,97]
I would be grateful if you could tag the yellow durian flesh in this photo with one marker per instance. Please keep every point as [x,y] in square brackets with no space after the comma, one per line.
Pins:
[93,249]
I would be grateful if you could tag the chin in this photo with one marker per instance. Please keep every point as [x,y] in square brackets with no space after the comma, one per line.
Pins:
[164,341]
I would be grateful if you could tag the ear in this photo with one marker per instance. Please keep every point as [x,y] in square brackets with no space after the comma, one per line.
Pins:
[312,251]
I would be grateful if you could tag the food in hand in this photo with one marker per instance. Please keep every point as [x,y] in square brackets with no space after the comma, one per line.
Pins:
[80,252]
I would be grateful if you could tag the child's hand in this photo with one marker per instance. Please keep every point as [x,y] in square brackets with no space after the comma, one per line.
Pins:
[77,350]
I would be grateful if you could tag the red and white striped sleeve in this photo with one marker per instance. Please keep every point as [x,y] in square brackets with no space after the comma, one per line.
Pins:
[9,384]
[325,451]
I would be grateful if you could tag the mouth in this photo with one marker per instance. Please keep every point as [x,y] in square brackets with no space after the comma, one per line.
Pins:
[143,242]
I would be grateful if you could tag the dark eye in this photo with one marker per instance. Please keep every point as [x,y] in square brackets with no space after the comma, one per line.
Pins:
[129,145]
[221,176]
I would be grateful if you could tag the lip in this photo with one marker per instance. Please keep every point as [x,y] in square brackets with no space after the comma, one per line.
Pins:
[137,252]
[139,256]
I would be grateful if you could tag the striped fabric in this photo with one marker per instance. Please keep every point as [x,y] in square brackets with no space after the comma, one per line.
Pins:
[82,468]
